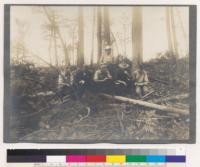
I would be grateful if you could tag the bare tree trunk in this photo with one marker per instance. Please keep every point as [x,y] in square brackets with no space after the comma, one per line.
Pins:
[174,33]
[93,31]
[124,29]
[137,36]
[65,50]
[49,49]
[55,48]
[147,104]
[80,54]
[168,26]
[183,31]
[57,30]
[106,26]
[73,48]
[99,33]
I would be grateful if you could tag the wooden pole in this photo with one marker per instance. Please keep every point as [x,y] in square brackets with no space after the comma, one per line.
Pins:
[147,104]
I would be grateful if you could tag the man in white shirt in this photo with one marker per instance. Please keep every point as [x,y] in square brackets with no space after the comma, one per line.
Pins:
[141,81]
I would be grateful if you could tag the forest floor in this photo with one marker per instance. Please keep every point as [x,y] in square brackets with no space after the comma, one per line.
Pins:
[94,118]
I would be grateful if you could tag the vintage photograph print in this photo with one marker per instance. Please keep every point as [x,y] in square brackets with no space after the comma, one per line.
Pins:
[90,74]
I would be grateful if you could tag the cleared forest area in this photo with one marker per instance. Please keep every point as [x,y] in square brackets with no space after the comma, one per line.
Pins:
[44,117]
[38,113]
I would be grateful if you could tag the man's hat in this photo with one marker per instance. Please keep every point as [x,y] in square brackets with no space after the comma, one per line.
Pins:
[108,47]
[123,65]
[103,65]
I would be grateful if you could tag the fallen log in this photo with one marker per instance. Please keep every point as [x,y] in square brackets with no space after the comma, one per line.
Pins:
[176,97]
[147,104]
[48,93]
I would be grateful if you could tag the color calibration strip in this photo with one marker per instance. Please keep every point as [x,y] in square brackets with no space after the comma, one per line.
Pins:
[93,157]
[98,159]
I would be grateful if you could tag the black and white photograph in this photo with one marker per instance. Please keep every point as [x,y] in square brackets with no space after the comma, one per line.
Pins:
[99,73]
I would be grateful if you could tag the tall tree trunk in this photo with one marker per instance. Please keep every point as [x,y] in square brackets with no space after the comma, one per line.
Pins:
[55,48]
[183,31]
[73,48]
[137,36]
[80,54]
[57,30]
[168,27]
[174,33]
[99,33]
[106,26]
[93,31]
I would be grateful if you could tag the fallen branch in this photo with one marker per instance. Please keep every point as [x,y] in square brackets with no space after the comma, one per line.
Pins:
[147,95]
[48,93]
[147,104]
[84,117]
[176,97]
[159,80]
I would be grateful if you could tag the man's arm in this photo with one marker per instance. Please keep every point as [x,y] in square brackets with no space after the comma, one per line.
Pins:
[109,76]
[134,76]
[146,79]
[96,77]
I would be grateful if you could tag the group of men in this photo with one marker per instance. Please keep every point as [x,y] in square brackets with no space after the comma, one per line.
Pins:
[116,78]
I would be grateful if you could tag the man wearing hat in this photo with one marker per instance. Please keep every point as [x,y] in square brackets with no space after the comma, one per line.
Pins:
[102,78]
[141,81]
[123,77]
[107,57]
[102,74]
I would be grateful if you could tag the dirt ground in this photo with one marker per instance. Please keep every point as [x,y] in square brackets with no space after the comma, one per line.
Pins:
[99,119]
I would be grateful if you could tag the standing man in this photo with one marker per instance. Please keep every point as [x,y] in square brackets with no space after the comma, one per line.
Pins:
[107,58]
[141,81]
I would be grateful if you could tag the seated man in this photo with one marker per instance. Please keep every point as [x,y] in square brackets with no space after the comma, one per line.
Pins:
[141,80]
[63,83]
[102,78]
[123,78]
[81,81]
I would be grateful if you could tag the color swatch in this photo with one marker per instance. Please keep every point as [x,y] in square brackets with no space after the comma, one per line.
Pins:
[46,156]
